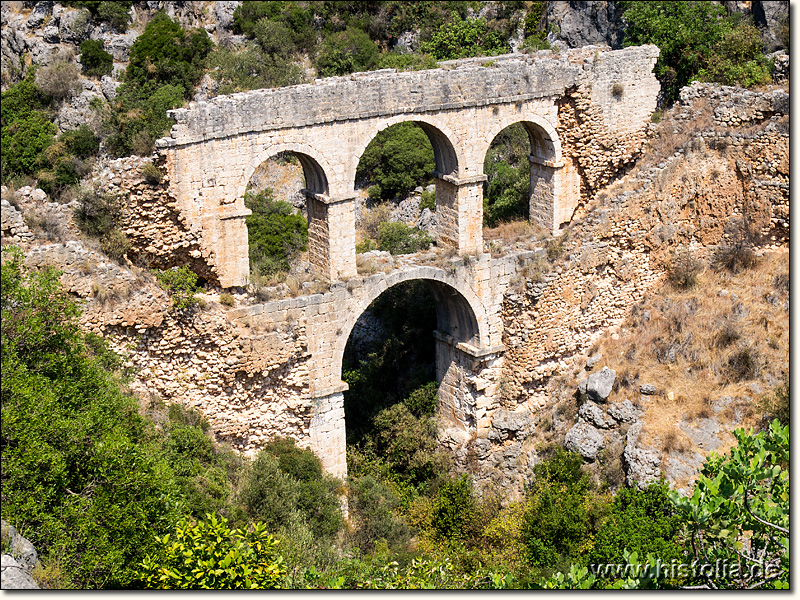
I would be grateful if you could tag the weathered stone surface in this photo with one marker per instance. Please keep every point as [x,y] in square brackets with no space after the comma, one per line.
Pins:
[14,576]
[584,439]
[73,26]
[648,389]
[624,412]
[507,424]
[591,413]
[598,385]
[21,548]
[642,465]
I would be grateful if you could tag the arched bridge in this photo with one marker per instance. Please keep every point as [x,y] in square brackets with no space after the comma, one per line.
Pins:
[215,146]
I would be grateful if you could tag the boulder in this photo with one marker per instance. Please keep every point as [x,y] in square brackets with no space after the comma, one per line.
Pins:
[427,222]
[591,413]
[109,87]
[13,576]
[648,389]
[642,465]
[39,14]
[585,440]
[624,412]
[223,13]
[598,385]
[507,424]
[74,26]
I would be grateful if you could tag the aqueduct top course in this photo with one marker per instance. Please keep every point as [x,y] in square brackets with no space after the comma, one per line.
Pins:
[585,110]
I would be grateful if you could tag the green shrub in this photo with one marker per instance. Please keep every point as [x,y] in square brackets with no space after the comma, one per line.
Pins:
[82,142]
[114,13]
[397,160]
[453,509]
[399,238]
[275,233]
[209,555]
[562,511]
[249,17]
[424,400]
[151,173]
[78,475]
[366,245]
[251,69]
[277,497]
[97,214]
[428,200]
[464,38]
[226,299]
[115,244]
[346,52]
[181,284]
[408,445]
[641,521]
[373,506]
[406,61]
[96,61]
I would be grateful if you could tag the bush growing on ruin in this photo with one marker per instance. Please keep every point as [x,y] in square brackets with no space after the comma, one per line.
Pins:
[181,284]
[684,270]
[95,60]
[399,238]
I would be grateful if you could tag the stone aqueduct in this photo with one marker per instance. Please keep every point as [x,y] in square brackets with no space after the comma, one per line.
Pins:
[215,147]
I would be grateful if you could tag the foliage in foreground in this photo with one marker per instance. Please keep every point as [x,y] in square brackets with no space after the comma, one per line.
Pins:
[80,478]
[209,555]
[275,233]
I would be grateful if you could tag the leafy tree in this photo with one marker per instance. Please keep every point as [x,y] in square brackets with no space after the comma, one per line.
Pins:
[275,233]
[209,555]
[95,60]
[464,38]
[397,160]
[738,513]
[698,40]
[346,52]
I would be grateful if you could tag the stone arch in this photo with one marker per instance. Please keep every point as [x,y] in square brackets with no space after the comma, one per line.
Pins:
[459,313]
[554,190]
[315,167]
[543,136]
[447,155]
